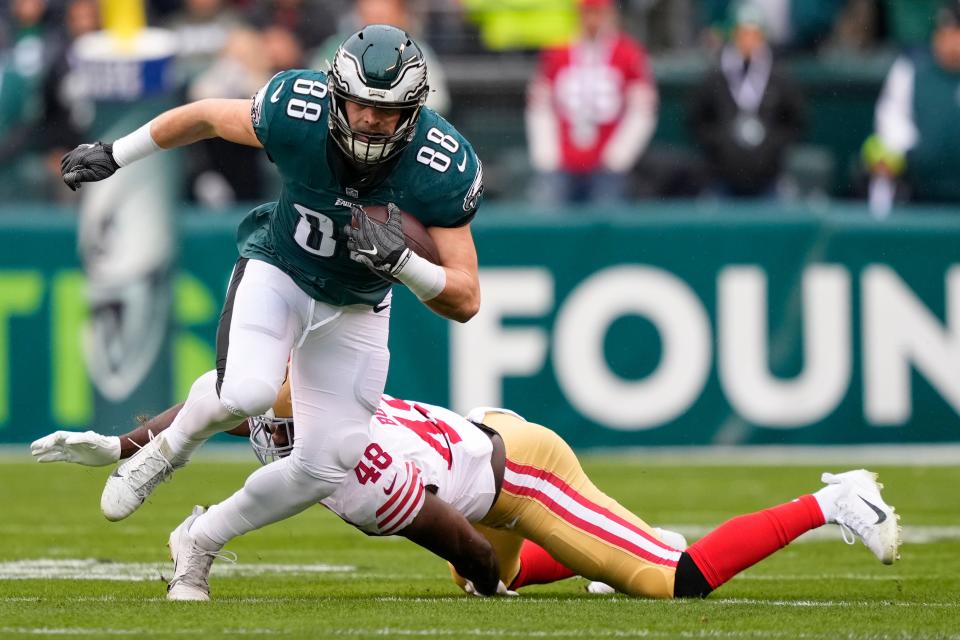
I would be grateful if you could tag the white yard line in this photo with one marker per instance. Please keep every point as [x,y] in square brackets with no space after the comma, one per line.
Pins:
[91,569]
[107,631]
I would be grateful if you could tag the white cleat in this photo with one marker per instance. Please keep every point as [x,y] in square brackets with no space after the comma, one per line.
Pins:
[861,511]
[600,588]
[130,483]
[673,539]
[191,564]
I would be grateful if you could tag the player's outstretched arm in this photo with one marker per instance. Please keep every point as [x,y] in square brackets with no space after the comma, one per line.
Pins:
[220,118]
[443,530]
[96,450]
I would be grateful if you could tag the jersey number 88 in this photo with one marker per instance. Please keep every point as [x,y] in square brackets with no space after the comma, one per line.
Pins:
[303,109]
[437,160]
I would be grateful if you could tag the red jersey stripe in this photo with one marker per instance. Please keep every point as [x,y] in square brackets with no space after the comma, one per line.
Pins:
[409,515]
[409,490]
[397,492]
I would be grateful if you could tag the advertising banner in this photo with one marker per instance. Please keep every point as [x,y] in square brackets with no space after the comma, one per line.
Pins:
[755,326]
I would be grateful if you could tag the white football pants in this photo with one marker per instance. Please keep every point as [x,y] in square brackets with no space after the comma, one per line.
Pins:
[338,368]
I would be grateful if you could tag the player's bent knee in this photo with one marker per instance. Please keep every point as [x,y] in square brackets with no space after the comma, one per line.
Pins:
[248,396]
[307,480]
[328,454]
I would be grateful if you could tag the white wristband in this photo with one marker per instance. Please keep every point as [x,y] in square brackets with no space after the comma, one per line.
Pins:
[135,146]
[425,279]
[113,447]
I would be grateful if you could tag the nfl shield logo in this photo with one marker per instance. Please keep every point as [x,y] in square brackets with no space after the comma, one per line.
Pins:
[353,193]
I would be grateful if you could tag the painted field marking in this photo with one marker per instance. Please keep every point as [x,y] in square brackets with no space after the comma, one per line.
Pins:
[108,631]
[92,569]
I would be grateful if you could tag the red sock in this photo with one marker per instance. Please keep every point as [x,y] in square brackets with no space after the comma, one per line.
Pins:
[538,567]
[746,540]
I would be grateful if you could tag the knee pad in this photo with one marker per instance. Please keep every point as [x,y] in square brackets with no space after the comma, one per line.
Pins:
[247,397]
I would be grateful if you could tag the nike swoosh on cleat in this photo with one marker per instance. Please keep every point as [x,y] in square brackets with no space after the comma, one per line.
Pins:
[389,489]
[881,516]
[276,94]
[369,252]
[116,474]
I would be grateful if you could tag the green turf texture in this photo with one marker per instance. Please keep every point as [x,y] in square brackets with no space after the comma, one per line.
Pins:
[820,589]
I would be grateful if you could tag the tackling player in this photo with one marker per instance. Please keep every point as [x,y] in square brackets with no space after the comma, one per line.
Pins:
[307,278]
[427,474]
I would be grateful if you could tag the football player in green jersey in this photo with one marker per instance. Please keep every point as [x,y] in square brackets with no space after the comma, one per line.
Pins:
[305,287]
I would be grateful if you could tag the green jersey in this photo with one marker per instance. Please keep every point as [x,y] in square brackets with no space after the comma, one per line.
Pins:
[437,178]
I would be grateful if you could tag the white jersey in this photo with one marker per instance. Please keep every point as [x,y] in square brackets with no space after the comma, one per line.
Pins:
[414,446]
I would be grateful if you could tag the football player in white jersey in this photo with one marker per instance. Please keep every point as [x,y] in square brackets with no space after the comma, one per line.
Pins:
[506,503]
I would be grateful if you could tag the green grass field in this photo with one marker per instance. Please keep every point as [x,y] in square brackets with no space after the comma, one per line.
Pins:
[314,576]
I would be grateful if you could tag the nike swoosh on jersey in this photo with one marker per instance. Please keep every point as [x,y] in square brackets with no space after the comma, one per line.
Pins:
[276,94]
[389,489]
[462,165]
[881,516]
[381,307]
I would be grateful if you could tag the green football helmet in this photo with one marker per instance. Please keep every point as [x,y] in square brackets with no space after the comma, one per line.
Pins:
[377,66]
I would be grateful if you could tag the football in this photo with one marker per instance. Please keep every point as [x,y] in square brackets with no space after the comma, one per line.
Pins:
[415,233]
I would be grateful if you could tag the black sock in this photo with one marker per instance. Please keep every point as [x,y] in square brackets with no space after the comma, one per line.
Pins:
[689,581]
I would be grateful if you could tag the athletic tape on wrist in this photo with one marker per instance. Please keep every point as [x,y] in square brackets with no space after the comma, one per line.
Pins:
[425,279]
[135,146]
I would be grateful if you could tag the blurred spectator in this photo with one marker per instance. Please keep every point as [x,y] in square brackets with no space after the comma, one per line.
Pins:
[662,25]
[67,112]
[238,72]
[221,173]
[746,114]
[790,24]
[202,27]
[911,22]
[23,64]
[857,28]
[918,120]
[311,21]
[592,109]
[395,13]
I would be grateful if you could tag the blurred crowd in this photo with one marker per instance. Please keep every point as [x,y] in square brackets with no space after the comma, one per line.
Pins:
[591,100]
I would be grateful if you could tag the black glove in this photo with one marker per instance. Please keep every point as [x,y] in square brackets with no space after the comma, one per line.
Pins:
[88,163]
[379,245]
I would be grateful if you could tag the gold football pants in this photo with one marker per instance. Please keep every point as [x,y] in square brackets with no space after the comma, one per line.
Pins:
[547,498]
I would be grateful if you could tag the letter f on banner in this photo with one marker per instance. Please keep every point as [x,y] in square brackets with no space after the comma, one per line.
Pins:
[483,352]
